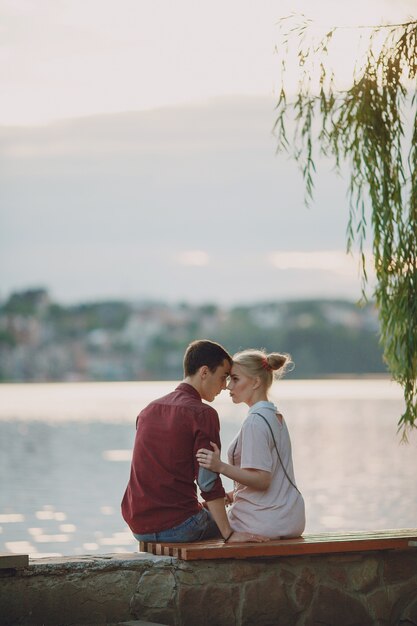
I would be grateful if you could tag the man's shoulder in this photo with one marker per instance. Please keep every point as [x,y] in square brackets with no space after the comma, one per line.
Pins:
[183,396]
[185,403]
[192,402]
[166,400]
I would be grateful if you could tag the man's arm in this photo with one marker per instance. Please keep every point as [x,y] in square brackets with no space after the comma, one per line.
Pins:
[218,511]
[251,477]
[207,429]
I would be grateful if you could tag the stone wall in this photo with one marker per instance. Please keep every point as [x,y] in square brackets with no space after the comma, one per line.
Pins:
[378,588]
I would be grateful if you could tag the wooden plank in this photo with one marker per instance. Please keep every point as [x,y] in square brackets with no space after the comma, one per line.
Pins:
[310,544]
[284,549]
[13,561]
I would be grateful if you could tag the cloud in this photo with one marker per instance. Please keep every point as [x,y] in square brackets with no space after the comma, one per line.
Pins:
[195,258]
[141,204]
[330,260]
[130,55]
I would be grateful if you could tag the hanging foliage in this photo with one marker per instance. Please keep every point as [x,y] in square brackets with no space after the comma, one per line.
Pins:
[365,128]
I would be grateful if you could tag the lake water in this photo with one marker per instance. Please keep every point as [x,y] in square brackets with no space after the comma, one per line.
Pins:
[65,452]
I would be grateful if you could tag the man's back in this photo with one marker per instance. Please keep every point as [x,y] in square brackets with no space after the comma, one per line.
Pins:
[162,492]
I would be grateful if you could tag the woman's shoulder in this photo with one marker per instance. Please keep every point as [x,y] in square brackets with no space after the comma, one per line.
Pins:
[260,417]
[266,410]
[266,416]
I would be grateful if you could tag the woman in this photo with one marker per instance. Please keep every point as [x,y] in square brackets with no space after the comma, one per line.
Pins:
[265,499]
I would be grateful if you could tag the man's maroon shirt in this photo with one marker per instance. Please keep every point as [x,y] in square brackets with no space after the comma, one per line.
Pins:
[162,491]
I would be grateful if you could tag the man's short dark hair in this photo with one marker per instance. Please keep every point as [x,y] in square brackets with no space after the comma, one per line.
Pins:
[204,352]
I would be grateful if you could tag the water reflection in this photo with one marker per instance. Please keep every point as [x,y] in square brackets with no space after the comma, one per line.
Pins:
[62,479]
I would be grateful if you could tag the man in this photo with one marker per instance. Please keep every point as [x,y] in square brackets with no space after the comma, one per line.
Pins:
[160,502]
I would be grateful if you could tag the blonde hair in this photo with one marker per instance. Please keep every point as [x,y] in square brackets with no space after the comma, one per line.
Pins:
[258,363]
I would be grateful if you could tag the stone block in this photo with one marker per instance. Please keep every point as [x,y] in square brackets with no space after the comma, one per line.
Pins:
[364,576]
[204,572]
[265,601]
[49,600]
[209,605]
[332,606]
[243,571]
[337,573]
[399,566]
[155,596]
[303,589]
[403,603]
[13,561]
[407,612]
[156,588]
[379,605]
[136,622]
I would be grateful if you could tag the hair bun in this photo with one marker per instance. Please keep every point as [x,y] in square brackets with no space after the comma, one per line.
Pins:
[277,361]
[259,363]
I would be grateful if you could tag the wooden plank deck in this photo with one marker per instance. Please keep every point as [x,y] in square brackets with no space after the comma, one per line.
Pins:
[309,544]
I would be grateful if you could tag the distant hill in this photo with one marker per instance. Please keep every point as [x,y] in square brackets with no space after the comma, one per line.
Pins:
[41,340]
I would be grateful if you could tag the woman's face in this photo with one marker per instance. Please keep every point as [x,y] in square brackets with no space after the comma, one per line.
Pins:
[241,386]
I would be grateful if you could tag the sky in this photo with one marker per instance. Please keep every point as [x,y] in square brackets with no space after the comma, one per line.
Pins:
[137,158]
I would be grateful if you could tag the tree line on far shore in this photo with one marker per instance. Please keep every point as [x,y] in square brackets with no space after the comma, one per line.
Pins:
[41,340]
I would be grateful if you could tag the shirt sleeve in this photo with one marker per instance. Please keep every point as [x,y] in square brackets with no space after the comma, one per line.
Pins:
[256,451]
[206,479]
[207,429]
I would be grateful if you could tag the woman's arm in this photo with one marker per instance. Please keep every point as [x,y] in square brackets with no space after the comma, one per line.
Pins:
[254,478]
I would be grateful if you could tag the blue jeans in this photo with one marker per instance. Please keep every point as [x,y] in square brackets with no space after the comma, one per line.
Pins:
[196,528]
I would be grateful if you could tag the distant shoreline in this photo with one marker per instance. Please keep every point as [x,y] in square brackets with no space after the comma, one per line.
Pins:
[121,401]
[336,376]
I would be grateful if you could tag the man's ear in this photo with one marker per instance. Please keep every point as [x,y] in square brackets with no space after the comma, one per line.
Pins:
[203,371]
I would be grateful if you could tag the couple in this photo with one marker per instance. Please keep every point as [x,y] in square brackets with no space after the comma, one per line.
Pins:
[178,445]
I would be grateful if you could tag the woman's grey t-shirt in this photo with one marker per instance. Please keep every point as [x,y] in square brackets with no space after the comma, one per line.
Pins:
[279,510]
